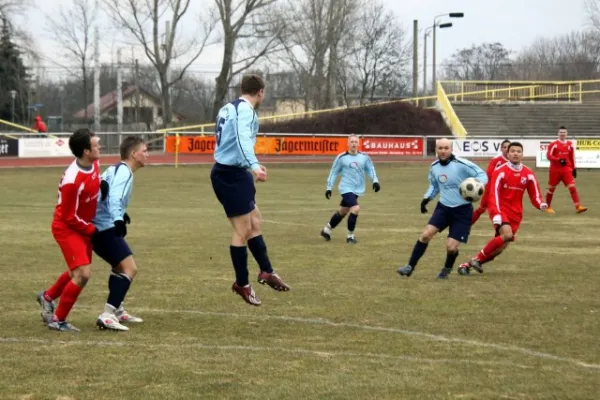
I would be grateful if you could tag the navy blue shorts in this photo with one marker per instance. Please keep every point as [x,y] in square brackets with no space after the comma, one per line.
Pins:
[111,248]
[349,200]
[458,219]
[234,188]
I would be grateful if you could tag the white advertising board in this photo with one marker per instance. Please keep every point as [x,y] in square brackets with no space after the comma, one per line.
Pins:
[44,147]
[583,159]
[488,148]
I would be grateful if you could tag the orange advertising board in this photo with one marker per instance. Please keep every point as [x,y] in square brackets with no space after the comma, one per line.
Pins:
[273,145]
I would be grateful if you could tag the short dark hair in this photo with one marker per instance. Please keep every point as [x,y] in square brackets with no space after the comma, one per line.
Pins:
[128,145]
[505,141]
[252,84]
[562,127]
[515,144]
[80,141]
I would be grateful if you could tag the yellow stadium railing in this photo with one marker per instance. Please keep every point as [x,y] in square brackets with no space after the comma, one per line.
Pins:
[452,120]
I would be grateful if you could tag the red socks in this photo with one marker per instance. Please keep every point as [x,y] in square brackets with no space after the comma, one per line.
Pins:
[56,290]
[487,253]
[549,195]
[67,299]
[574,195]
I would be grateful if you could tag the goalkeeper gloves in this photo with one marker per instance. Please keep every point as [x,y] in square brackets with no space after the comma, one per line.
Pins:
[103,190]
[120,228]
[423,204]
[562,161]
[376,187]
[126,218]
[574,173]
[328,194]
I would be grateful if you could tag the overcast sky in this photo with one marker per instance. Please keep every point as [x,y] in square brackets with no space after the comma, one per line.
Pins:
[514,23]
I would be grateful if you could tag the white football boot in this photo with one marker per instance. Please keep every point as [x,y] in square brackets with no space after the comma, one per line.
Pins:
[110,321]
[125,317]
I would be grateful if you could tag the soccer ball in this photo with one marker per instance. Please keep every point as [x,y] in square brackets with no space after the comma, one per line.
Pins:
[471,190]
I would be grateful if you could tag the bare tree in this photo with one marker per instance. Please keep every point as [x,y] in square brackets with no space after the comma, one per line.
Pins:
[487,61]
[72,29]
[378,55]
[250,32]
[141,18]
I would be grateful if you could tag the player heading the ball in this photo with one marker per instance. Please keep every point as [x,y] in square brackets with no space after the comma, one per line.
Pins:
[352,165]
[235,133]
[452,210]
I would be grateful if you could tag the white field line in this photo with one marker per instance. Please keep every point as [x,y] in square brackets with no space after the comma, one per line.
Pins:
[262,349]
[405,332]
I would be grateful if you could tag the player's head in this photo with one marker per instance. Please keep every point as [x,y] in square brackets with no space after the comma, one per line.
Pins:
[443,149]
[134,150]
[353,142]
[84,144]
[562,133]
[504,147]
[254,87]
[515,152]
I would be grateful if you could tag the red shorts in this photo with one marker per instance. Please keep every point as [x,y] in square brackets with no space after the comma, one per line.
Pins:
[76,248]
[557,175]
[512,221]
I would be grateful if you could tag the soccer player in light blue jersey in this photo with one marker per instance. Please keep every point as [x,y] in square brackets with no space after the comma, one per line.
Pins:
[111,221]
[352,165]
[452,211]
[233,184]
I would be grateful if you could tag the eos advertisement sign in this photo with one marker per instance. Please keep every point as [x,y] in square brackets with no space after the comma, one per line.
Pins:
[477,148]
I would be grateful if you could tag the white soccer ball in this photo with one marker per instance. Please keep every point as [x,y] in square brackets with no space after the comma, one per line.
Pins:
[471,189]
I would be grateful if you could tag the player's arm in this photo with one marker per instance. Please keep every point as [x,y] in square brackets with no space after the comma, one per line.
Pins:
[370,167]
[434,187]
[244,133]
[336,168]
[550,152]
[119,187]
[474,171]
[533,189]
[572,159]
[69,199]
[494,205]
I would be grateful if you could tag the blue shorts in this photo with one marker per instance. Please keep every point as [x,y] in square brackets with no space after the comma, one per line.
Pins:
[458,219]
[349,200]
[234,187]
[111,248]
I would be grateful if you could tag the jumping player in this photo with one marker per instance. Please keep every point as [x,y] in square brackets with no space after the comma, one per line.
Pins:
[352,165]
[561,155]
[233,184]
[452,211]
[111,221]
[73,230]
[509,183]
[495,163]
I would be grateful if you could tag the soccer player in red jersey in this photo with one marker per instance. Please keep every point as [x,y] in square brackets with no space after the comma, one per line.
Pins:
[561,155]
[495,163]
[509,183]
[72,228]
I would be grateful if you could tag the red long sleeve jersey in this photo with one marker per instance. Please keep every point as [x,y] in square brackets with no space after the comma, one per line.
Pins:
[558,150]
[509,184]
[78,193]
[495,163]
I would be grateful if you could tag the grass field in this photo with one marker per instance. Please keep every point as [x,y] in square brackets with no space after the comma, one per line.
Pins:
[351,328]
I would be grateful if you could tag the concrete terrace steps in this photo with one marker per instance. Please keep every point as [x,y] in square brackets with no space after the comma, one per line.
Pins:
[529,119]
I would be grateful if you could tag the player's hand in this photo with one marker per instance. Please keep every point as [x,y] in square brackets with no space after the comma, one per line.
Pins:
[120,228]
[376,187]
[423,206]
[260,174]
[497,220]
[574,172]
[562,161]
[103,190]
[328,194]
[543,206]
[126,218]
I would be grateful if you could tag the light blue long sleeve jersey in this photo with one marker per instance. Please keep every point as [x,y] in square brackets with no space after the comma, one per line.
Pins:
[352,167]
[445,180]
[235,134]
[120,181]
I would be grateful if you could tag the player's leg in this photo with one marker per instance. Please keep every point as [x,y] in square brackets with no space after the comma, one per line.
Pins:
[335,220]
[351,201]
[569,181]
[482,207]
[554,179]
[504,235]
[258,248]
[438,222]
[459,231]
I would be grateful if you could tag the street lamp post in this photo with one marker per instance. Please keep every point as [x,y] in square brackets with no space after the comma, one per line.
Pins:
[13,95]
[451,15]
[427,31]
